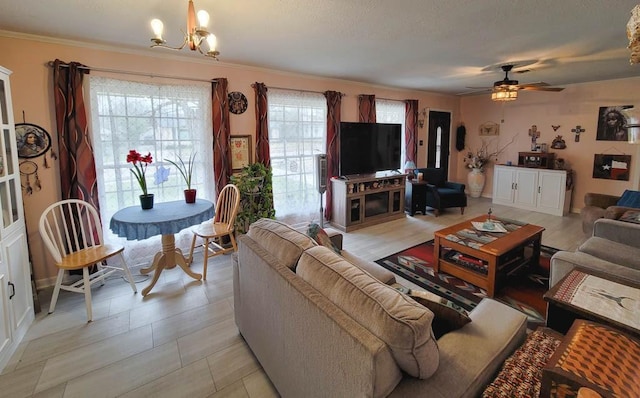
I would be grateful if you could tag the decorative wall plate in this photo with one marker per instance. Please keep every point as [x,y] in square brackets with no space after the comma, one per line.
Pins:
[237,102]
[32,140]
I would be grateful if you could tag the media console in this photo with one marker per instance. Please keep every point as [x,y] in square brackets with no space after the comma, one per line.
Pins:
[363,201]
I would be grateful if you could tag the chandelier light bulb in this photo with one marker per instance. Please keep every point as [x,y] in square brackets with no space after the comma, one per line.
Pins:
[203,18]
[212,41]
[157,26]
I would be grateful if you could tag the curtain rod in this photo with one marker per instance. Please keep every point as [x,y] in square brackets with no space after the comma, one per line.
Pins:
[297,89]
[126,72]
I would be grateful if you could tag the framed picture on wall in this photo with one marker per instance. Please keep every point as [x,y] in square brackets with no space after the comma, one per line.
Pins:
[611,123]
[611,167]
[240,152]
[489,128]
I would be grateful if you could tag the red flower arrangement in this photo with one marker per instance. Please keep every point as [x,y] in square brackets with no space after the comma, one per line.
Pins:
[140,164]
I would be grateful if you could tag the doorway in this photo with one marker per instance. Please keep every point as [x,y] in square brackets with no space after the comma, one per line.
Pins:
[438,139]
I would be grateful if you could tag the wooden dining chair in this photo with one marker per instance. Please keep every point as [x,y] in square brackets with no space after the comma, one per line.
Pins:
[220,227]
[72,232]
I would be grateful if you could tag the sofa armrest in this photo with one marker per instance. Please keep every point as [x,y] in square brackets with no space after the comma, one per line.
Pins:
[618,231]
[455,185]
[472,355]
[600,200]
[335,236]
[615,212]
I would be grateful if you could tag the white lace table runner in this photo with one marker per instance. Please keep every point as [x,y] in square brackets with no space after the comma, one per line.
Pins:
[609,299]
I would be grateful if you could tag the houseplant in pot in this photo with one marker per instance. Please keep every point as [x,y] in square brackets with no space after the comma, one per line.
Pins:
[139,170]
[186,169]
[256,195]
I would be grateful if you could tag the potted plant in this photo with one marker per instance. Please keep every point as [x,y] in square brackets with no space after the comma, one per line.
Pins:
[140,164]
[186,169]
[256,195]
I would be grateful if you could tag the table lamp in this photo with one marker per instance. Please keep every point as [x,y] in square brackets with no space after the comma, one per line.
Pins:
[409,166]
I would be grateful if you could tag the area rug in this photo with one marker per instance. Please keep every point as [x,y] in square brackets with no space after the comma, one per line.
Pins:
[523,291]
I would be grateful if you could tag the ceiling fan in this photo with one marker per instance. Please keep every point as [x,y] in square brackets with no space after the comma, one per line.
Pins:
[507,89]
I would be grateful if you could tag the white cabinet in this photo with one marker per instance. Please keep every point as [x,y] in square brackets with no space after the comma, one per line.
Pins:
[540,190]
[16,300]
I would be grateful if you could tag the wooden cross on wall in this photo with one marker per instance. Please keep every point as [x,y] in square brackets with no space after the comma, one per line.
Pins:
[577,131]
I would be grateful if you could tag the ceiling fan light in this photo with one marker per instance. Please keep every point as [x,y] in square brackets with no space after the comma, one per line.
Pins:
[504,94]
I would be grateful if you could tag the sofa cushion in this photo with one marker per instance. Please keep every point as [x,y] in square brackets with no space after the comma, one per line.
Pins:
[382,274]
[611,251]
[629,199]
[279,239]
[400,322]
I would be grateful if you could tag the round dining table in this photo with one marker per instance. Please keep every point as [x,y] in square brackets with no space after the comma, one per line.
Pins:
[166,219]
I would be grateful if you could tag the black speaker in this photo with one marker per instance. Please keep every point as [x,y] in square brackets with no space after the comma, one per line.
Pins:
[321,172]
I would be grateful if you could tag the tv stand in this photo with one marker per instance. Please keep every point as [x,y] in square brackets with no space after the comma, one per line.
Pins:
[362,201]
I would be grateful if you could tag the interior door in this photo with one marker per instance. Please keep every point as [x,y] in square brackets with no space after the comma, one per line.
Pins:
[438,138]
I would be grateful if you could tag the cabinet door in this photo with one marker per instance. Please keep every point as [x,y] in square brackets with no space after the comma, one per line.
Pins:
[14,253]
[5,320]
[552,187]
[526,188]
[503,184]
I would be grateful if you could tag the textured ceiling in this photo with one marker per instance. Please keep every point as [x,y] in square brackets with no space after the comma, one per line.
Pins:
[433,45]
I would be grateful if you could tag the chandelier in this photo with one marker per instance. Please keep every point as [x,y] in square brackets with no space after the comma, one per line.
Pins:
[195,36]
[504,93]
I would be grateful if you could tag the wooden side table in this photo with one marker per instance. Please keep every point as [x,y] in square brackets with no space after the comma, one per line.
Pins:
[594,356]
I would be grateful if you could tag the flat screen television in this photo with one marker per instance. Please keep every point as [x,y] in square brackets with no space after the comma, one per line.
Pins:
[366,148]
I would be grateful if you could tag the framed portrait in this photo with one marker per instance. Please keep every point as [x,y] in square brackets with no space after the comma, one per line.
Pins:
[612,167]
[489,128]
[611,123]
[32,140]
[240,152]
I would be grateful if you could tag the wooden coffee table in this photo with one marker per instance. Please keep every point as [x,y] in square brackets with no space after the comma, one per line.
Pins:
[596,296]
[482,263]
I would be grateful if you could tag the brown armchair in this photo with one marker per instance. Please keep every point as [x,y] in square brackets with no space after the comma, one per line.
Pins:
[598,205]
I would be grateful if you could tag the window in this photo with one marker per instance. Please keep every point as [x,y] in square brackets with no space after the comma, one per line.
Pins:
[388,111]
[166,120]
[297,132]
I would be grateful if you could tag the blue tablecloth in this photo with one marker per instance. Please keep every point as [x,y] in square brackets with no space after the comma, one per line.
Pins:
[165,218]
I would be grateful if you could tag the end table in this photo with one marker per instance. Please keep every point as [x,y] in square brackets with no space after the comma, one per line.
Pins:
[595,356]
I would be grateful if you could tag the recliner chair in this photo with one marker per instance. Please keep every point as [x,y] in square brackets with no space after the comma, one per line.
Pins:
[442,194]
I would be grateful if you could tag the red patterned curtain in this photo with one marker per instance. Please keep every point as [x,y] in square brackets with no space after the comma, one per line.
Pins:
[411,131]
[77,164]
[262,126]
[334,102]
[221,133]
[367,108]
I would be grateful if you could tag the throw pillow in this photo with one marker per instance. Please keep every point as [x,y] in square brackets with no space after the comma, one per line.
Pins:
[448,316]
[320,236]
[629,199]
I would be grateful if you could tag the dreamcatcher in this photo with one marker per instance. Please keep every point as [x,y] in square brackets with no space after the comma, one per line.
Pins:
[29,172]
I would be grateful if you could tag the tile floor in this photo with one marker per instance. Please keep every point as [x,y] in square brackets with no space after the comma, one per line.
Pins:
[181,339]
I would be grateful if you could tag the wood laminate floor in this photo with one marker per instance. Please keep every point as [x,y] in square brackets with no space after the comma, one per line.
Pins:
[181,340]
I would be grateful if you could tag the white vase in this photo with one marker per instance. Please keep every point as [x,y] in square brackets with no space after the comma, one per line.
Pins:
[475,180]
